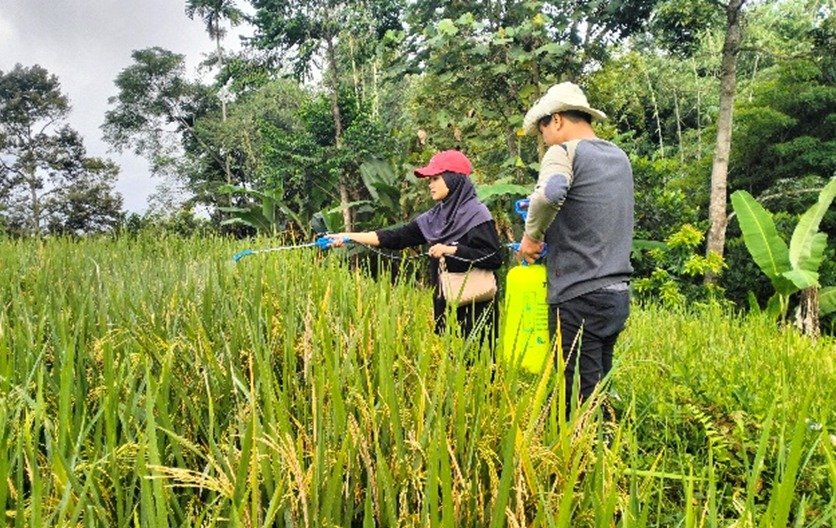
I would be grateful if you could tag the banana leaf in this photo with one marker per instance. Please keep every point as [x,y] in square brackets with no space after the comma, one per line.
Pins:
[768,250]
[262,215]
[375,173]
[802,279]
[296,218]
[640,244]
[777,306]
[268,209]
[487,193]
[249,217]
[827,300]
[387,195]
[349,205]
[807,244]
[754,307]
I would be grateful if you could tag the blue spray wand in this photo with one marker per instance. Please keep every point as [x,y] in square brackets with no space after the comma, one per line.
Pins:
[324,242]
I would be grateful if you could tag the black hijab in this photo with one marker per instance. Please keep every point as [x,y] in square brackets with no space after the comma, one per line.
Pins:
[459,212]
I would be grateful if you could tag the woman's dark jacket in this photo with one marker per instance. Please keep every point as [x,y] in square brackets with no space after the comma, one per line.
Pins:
[480,244]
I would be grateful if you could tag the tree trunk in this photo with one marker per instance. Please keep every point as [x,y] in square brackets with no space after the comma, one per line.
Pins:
[541,145]
[338,128]
[699,116]
[720,167]
[678,127]
[655,111]
[807,313]
[376,90]
[359,91]
[29,172]
[511,143]
[36,207]
[227,165]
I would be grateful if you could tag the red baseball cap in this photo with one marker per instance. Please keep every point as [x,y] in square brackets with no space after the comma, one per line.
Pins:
[446,161]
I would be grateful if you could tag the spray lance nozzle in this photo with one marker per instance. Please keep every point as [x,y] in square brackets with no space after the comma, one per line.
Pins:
[241,254]
[324,242]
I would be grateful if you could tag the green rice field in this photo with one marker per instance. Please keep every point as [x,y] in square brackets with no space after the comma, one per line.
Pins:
[153,382]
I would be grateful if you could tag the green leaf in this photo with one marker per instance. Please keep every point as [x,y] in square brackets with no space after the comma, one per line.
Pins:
[494,190]
[249,218]
[331,221]
[230,189]
[776,307]
[235,189]
[827,300]
[349,205]
[268,209]
[296,218]
[816,257]
[640,244]
[802,278]
[768,250]
[499,69]
[466,19]
[378,175]
[481,50]
[807,242]
[527,92]
[520,55]
[552,48]
[754,307]
[447,27]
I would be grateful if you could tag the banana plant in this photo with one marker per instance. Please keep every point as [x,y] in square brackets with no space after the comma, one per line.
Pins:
[383,186]
[265,215]
[790,268]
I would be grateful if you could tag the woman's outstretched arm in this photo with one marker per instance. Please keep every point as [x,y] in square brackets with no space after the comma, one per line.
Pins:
[368,238]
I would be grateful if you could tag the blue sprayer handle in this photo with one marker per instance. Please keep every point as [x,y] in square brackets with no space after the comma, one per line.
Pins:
[515,247]
[326,241]
[521,208]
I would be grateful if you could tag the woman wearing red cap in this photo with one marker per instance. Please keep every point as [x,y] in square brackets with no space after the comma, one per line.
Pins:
[458,227]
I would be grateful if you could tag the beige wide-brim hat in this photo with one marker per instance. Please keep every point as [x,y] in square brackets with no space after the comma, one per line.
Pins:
[559,98]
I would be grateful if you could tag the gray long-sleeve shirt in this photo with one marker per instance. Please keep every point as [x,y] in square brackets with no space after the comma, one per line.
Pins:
[590,183]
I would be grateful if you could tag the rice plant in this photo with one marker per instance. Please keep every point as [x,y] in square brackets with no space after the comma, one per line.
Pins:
[154,382]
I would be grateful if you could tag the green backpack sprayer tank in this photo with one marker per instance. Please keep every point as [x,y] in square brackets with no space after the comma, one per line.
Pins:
[525,336]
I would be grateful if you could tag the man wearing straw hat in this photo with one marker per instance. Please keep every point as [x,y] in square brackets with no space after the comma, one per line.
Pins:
[582,208]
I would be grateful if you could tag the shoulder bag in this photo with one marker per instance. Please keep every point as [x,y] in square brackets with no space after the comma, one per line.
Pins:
[474,285]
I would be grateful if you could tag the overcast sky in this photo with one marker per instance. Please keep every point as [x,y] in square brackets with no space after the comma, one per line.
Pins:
[86,43]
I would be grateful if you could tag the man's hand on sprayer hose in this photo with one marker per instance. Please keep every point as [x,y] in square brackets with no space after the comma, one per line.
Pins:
[530,250]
